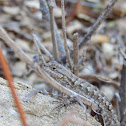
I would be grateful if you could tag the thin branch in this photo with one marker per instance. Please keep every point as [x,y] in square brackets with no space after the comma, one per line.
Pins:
[95,26]
[64,35]
[41,72]
[45,12]
[76,54]
[47,53]
[122,90]
[35,39]
[12,87]
[83,58]
[55,48]
[100,79]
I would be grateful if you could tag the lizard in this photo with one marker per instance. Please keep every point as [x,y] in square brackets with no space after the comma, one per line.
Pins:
[65,77]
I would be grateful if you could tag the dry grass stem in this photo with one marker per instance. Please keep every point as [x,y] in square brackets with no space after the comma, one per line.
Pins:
[83,58]
[101,79]
[35,39]
[44,50]
[76,54]
[122,91]
[53,35]
[95,26]
[45,12]
[13,46]
[41,72]
[64,35]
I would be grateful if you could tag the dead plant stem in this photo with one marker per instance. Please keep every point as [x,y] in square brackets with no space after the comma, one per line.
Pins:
[64,35]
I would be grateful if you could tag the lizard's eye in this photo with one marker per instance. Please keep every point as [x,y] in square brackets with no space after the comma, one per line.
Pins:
[54,68]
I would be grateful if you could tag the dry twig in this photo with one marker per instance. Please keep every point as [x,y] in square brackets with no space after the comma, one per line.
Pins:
[122,93]
[94,27]
[101,79]
[64,35]
[45,11]
[52,25]
[47,53]
[35,39]
[76,54]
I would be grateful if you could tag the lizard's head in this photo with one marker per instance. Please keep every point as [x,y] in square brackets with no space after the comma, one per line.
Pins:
[57,71]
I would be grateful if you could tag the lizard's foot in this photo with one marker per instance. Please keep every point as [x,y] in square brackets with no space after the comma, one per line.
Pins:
[44,92]
[97,116]
[68,102]
[64,102]
[81,103]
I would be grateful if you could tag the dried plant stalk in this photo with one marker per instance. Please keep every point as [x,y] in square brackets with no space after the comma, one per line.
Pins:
[55,47]
[45,11]
[122,93]
[76,54]
[64,35]
[47,53]
[35,39]
[95,26]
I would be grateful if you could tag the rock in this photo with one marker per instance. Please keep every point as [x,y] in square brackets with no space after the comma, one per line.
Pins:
[57,12]
[40,109]
[31,3]
[108,50]
[11,10]
[76,25]
[19,68]
[109,91]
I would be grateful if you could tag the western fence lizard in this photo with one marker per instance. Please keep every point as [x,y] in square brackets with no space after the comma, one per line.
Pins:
[65,77]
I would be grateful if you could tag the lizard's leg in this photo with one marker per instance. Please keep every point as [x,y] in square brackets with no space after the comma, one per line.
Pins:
[67,102]
[81,103]
[98,116]
[37,60]
[64,102]
[43,91]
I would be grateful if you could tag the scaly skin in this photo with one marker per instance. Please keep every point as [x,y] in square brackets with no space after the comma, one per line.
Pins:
[65,77]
